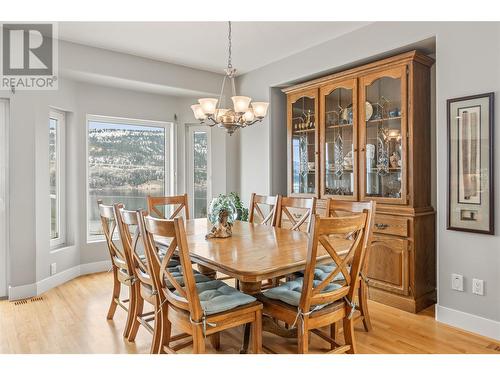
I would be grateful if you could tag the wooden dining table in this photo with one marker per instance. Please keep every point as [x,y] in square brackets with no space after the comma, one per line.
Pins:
[254,253]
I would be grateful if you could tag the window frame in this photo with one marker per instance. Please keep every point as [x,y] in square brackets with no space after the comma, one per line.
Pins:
[170,146]
[190,129]
[60,118]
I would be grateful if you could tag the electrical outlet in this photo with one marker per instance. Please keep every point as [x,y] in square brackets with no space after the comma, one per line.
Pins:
[457,282]
[478,287]
[53,269]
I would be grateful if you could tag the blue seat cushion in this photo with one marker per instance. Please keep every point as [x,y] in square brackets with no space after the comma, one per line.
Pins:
[322,271]
[216,296]
[161,254]
[178,275]
[290,291]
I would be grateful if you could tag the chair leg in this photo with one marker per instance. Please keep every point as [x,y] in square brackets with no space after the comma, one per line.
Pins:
[157,331]
[334,334]
[257,333]
[131,310]
[198,340]
[166,328]
[349,335]
[302,338]
[363,306]
[116,294]
[139,306]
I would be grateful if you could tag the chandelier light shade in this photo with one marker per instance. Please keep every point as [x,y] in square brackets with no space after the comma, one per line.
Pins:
[244,112]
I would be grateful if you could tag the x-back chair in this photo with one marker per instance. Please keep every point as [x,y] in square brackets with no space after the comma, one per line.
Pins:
[142,288]
[257,215]
[336,208]
[300,217]
[179,202]
[198,309]
[306,304]
[122,269]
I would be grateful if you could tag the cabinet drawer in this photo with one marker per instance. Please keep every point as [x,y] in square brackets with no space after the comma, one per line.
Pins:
[397,226]
[388,264]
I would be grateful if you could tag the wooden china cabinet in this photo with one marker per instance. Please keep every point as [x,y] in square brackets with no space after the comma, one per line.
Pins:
[364,134]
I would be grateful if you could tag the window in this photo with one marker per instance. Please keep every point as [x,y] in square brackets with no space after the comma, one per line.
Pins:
[198,141]
[56,177]
[127,161]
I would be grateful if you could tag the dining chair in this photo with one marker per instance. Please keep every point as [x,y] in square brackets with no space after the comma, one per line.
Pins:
[178,201]
[338,208]
[198,309]
[121,268]
[263,209]
[306,304]
[295,213]
[142,286]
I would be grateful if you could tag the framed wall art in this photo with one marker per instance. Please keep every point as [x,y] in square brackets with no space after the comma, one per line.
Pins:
[470,163]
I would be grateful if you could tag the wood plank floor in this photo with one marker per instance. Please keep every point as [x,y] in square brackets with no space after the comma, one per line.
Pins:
[72,319]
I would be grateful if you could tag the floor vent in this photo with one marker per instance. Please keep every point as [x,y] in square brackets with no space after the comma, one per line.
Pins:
[27,300]
[21,302]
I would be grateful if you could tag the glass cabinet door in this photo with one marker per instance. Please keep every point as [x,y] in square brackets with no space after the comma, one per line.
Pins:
[383,113]
[303,125]
[339,140]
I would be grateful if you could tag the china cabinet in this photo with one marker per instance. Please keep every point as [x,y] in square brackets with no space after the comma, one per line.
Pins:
[364,134]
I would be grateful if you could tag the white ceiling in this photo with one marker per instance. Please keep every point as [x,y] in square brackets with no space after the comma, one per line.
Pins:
[203,45]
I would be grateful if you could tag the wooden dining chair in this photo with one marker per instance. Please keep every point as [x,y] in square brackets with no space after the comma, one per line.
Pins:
[178,202]
[263,209]
[197,309]
[122,270]
[142,288]
[338,208]
[306,304]
[295,213]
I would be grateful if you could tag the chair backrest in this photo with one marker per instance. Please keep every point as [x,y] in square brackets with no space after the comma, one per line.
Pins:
[335,207]
[323,230]
[180,201]
[128,226]
[256,214]
[109,226]
[185,298]
[302,211]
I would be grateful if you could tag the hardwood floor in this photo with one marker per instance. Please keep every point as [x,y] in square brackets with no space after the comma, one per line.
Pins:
[72,319]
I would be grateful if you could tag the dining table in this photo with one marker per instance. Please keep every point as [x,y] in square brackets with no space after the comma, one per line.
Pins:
[253,254]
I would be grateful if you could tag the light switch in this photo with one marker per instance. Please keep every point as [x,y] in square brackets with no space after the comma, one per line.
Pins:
[457,282]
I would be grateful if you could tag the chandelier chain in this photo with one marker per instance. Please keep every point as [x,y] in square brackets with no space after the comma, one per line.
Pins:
[229,63]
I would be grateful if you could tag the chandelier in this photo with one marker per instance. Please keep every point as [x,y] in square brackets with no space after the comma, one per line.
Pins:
[244,112]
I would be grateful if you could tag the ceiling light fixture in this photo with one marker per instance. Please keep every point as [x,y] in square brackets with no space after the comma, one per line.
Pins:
[244,112]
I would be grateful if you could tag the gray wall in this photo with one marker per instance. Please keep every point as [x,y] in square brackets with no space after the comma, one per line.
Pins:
[458,73]
[131,87]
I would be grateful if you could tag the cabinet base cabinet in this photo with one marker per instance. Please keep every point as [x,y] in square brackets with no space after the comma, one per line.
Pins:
[402,270]
[410,304]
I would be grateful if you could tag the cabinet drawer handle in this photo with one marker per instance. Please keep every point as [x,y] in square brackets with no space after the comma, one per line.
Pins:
[381,226]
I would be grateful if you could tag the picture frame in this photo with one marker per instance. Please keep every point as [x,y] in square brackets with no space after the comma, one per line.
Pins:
[471,164]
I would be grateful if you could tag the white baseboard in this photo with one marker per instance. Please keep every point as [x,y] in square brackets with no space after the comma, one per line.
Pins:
[31,290]
[59,278]
[469,322]
[22,291]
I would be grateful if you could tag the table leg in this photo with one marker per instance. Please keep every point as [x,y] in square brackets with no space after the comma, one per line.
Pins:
[207,271]
[248,288]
